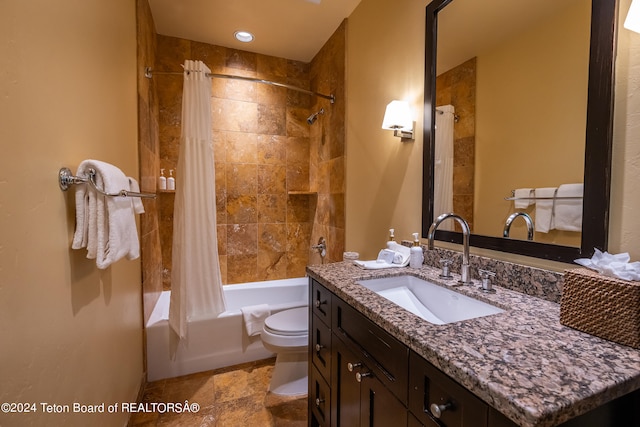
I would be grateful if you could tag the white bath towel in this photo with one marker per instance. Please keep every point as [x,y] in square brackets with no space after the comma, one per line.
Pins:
[138,207]
[567,215]
[545,198]
[254,317]
[105,225]
[523,198]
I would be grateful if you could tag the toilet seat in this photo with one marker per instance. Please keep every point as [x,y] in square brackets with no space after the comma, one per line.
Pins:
[293,322]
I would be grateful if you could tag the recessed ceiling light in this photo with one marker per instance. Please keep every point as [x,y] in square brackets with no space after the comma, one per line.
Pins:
[243,36]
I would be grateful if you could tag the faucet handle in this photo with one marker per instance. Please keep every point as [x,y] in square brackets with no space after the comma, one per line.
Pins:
[446,274]
[486,277]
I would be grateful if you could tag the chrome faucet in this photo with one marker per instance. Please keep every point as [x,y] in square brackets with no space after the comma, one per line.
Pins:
[527,219]
[464,270]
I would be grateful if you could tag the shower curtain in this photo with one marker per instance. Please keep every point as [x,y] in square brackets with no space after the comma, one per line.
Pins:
[443,164]
[196,283]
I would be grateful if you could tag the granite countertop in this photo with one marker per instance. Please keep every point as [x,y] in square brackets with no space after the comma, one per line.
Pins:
[522,362]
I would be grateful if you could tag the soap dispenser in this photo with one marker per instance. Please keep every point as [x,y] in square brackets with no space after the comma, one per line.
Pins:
[162,180]
[416,257]
[171,181]
[391,241]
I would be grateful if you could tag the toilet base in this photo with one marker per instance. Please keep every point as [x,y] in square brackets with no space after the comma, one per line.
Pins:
[290,374]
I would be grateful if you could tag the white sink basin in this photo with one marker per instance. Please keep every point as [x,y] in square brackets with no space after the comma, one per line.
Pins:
[433,303]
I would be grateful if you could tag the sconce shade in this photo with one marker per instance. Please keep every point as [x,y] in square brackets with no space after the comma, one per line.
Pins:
[398,116]
[632,22]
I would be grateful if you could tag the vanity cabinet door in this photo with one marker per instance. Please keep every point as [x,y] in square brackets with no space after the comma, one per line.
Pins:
[345,390]
[379,407]
[436,398]
[359,398]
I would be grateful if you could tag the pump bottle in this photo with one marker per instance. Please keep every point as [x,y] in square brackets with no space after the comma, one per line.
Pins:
[416,256]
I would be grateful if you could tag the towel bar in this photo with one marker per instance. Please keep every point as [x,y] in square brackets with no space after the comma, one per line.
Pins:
[66,179]
[542,198]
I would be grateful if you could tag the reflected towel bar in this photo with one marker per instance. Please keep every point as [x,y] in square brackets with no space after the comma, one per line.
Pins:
[66,179]
[543,198]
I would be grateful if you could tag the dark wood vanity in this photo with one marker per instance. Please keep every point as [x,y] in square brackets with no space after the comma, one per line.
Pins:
[361,375]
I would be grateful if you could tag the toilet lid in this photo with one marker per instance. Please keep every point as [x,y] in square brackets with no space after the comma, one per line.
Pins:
[289,322]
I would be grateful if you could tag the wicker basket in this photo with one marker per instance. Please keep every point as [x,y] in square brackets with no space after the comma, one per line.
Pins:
[602,306]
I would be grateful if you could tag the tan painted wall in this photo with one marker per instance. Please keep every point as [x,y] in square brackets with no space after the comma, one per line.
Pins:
[385,61]
[539,142]
[384,176]
[70,333]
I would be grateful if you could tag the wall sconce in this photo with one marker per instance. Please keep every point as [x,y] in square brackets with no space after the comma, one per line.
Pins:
[632,22]
[399,119]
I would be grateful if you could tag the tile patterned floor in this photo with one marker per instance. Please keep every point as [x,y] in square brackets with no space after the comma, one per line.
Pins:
[228,397]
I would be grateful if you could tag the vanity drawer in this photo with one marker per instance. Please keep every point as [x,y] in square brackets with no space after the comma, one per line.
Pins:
[319,399]
[428,386]
[320,302]
[321,346]
[387,357]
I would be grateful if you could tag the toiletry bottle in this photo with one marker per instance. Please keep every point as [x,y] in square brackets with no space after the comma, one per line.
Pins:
[391,241]
[171,181]
[416,257]
[162,181]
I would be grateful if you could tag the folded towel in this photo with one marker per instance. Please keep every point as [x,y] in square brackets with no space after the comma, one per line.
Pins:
[254,317]
[105,225]
[523,198]
[544,208]
[567,215]
[401,255]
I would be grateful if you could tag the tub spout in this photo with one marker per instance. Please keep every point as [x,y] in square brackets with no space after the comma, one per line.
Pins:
[466,232]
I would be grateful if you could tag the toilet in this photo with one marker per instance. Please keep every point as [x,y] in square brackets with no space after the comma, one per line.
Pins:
[286,333]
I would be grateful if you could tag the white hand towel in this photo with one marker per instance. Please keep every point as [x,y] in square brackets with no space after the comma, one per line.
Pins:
[523,198]
[568,212]
[378,264]
[138,207]
[254,317]
[545,198]
[105,225]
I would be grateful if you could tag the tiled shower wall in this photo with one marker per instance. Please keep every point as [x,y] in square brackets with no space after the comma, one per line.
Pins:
[279,181]
[149,154]
[457,87]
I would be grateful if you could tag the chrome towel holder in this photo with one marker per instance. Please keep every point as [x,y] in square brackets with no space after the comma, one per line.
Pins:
[66,179]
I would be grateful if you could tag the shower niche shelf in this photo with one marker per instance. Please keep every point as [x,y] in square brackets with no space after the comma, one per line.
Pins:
[302,193]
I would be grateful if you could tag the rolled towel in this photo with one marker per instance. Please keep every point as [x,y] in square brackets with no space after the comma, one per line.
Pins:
[523,198]
[545,198]
[254,317]
[568,212]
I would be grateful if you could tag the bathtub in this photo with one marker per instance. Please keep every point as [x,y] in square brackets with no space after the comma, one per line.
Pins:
[218,341]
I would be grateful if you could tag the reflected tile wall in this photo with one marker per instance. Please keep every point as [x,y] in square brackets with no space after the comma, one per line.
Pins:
[457,87]
[262,151]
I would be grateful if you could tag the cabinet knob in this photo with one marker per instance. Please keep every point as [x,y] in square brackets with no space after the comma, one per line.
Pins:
[437,410]
[318,303]
[352,366]
[319,347]
[319,401]
[361,375]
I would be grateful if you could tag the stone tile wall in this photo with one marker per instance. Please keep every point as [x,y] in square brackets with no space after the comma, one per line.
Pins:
[263,150]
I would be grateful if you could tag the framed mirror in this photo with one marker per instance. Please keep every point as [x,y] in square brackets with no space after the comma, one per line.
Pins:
[583,118]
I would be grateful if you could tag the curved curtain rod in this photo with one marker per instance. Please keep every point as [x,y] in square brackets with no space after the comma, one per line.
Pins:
[148,73]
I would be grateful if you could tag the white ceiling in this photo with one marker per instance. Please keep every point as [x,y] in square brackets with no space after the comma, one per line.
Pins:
[292,29]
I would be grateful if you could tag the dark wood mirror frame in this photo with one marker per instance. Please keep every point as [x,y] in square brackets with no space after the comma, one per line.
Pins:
[598,144]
